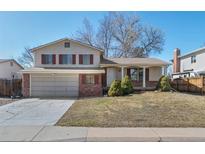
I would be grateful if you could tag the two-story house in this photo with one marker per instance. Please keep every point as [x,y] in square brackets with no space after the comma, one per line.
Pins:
[67,67]
[193,61]
[9,69]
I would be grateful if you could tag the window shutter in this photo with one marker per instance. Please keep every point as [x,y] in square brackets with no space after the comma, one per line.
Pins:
[42,59]
[60,59]
[83,78]
[73,59]
[54,59]
[96,79]
[80,59]
[128,72]
[147,74]
[91,59]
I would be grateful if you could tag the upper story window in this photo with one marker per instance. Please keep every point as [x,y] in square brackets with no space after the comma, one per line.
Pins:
[67,44]
[67,59]
[193,59]
[48,59]
[86,59]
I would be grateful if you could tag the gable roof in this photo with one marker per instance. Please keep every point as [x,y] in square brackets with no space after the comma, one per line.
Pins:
[66,39]
[133,61]
[194,52]
[9,60]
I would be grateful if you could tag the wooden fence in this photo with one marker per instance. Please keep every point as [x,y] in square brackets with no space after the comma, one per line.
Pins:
[194,85]
[10,87]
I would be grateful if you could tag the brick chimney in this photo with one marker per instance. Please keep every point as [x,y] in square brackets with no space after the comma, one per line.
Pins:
[176,61]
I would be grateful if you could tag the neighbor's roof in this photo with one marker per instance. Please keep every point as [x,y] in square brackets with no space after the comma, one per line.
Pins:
[197,51]
[66,39]
[64,70]
[7,60]
[4,60]
[133,61]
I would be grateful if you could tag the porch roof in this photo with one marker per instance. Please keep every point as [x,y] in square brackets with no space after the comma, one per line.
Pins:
[133,62]
[35,70]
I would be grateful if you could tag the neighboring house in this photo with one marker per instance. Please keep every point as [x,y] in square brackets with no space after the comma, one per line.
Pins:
[67,67]
[191,62]
[9,69]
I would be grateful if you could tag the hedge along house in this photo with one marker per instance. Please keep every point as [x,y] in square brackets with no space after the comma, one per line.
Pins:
[67,67]
[144,72]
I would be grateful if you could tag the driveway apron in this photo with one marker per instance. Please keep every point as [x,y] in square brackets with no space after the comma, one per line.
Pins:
[34,112]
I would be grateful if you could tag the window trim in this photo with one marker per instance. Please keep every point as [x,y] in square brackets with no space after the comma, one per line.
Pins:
[193,59]
[72,62]
[53,59]
[94,79]
[66,44]
[89,79]
[90,59]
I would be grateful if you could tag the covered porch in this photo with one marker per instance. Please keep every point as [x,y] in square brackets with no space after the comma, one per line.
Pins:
[144,72]
[143,77]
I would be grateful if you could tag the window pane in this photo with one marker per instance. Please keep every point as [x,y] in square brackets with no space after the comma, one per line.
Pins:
[86,59]
[66,59]
[48,59]
[67,44]
[89,79]
[69,59]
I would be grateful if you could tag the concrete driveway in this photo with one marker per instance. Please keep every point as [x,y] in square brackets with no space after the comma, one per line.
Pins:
[31,112]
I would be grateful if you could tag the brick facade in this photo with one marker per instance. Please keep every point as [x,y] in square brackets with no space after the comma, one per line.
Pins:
[26,85]
[90,89]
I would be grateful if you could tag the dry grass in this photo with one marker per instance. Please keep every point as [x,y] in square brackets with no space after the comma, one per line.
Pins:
[4,101]
[149,109]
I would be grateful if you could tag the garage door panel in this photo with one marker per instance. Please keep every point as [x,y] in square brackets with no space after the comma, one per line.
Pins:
[41,84]
[51,84]
[47,88]
[54,85]
[63,93]
[64,79]
[42,79]
[66,88]
[45,93]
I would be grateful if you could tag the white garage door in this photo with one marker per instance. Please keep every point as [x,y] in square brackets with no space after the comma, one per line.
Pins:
[54,85]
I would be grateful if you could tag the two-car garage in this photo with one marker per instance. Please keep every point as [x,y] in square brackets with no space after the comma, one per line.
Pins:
[54,85]
[47,82]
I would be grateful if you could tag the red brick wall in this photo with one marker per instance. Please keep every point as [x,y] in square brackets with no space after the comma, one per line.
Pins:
[26,85]
[90,89]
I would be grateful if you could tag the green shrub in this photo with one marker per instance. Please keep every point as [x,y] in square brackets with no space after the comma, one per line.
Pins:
[164,84]
[126,85]
[158,83]
[115,89]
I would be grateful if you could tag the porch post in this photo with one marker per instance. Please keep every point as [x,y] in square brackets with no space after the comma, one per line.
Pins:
[144,77]
[122,72]
[163,70]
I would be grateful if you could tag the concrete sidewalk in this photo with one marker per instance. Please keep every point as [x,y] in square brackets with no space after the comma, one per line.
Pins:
[57,133]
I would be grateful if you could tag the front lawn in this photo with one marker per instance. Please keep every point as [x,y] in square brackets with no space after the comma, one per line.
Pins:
[149,109]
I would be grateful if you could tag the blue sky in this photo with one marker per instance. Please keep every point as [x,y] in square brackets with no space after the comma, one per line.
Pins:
[185,30]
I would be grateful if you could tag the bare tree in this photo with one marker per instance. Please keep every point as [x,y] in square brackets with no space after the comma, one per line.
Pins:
[126,32]
[104,36]
[122,35]
[26,59]
[152,39]
[86,34]
[133,39]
